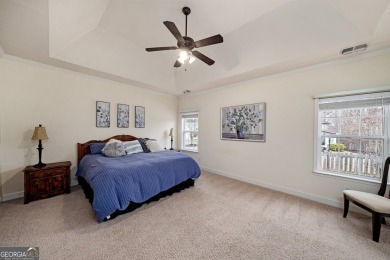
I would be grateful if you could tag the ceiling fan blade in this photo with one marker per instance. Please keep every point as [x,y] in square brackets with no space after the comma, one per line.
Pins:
[177,64]
[209,41]
[173,29]
[203,57]
[161,48]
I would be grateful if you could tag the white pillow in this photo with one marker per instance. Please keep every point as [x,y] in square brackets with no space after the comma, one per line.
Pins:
[114,148]
[112,140]
[132,147]
[153,146]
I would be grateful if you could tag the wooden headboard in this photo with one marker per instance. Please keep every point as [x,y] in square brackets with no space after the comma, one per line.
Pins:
[83,148]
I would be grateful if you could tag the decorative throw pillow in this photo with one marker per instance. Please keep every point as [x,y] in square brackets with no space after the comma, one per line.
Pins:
[96,148]
[142,142]
[133,147]
[112,140]
[153,146]
[114,148]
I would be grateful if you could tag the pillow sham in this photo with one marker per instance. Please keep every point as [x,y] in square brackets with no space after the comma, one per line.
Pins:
[114,148]
[96,148]
[142,142]
[132,147]
[153,146]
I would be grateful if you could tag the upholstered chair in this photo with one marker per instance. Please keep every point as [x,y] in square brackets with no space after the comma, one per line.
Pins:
[378,205]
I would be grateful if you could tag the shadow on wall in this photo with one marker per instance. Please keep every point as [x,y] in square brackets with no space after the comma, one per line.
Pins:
[73,177]
[13,181]
[27,143]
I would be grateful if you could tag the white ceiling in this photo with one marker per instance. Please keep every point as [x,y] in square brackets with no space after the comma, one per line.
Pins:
[107,38]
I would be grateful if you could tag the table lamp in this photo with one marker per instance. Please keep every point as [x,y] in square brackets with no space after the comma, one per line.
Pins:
[40,134]
[171,135]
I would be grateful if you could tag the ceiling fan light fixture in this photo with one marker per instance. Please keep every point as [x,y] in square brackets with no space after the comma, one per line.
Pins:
[186,56]
[191,59]
[180,60]
[183,55]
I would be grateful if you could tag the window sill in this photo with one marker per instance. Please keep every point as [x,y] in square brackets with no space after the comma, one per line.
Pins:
[357,178]
[184,150]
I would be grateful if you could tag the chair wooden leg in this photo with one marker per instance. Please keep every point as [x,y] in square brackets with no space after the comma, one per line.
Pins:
[376,226]
[346,206]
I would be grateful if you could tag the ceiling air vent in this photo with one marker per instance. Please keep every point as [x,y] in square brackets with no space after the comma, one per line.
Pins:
[349,50]
[361,47]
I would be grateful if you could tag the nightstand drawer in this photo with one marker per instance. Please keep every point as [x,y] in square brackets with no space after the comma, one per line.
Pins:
[45,182]
[47,173]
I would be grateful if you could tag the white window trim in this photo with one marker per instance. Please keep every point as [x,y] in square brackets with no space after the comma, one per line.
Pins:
[317,139]
[340,175]
[354,92]
[181,129]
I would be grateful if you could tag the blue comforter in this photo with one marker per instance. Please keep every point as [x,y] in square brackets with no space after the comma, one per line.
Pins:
[133,178]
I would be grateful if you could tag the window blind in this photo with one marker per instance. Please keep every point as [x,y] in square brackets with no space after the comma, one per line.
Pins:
[355,101]
[192,115]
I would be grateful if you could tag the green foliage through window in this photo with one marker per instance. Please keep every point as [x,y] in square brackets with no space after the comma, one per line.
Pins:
[336,147]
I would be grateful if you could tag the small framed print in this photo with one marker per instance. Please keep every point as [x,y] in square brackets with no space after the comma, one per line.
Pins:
[123,116]
[139,117]
[102,114]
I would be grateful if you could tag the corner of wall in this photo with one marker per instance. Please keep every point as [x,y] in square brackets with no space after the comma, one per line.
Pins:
[2,53]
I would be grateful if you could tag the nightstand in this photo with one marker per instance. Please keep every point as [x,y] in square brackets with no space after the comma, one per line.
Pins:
[45,182]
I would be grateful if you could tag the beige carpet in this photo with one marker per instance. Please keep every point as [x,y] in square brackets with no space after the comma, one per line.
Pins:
[219,218]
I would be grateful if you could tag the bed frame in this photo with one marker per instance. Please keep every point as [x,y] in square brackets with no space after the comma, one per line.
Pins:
[83,149]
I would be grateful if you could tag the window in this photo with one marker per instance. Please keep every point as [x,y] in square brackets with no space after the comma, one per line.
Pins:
[189,132]
[352,136]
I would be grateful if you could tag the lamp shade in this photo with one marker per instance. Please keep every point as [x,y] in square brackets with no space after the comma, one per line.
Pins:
[39,133]
[171,132]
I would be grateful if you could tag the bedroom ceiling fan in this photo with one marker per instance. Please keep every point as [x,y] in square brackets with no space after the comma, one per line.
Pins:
[187,44]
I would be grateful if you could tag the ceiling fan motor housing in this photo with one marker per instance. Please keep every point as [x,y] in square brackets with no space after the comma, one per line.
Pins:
[187,45]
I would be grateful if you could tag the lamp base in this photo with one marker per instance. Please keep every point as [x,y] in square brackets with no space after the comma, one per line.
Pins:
[39,165]
[171,143]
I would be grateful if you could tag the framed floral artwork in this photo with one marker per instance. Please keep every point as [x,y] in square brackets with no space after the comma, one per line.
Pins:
[139,117]
[123,116]
[102,114]
[243,122]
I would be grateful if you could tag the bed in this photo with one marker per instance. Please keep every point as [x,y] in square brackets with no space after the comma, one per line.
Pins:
[119,185]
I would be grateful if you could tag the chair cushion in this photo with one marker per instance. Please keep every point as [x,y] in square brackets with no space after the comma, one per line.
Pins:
[372,201]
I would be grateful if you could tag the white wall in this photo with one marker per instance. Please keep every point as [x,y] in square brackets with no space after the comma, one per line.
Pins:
[285,161]
[65,102]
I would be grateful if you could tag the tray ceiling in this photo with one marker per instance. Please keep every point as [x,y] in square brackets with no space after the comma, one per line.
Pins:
[107,38]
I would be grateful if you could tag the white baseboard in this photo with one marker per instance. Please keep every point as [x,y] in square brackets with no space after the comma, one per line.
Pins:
[20,194]
[283,189]
[14,195]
